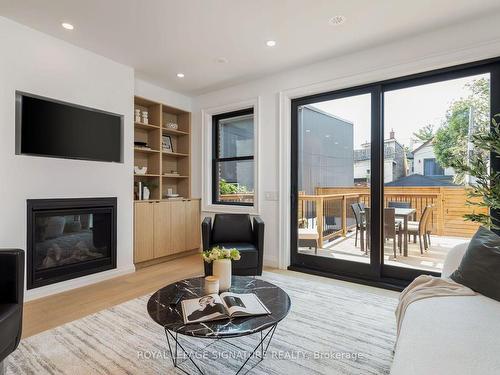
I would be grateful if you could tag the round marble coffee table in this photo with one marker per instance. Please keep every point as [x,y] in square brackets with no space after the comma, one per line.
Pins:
[170,318]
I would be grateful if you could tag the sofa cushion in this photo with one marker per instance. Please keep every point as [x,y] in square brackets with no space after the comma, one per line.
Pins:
[232,228]
[480,266]
[455,335]
[453,259]
[248,252]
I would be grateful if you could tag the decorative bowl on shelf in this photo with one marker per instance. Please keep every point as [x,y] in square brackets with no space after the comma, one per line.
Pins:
[172,195]
[172,125]
[140,170]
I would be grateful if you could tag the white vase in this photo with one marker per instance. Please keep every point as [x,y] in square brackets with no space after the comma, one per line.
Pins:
[145,193]
[222,269]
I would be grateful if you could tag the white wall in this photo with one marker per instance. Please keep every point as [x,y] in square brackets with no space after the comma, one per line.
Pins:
[361,167]
[152,92]
[466,42]
[36,63]
[427,152]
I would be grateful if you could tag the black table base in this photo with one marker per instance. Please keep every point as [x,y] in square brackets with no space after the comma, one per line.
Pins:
[182,357]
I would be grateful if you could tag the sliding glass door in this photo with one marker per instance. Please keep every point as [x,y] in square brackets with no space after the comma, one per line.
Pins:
[333,181]
[374,192]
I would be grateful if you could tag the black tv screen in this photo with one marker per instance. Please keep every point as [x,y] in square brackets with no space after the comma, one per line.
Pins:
[46,127]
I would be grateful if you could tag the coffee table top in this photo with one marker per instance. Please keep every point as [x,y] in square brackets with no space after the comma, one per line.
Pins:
[170,317]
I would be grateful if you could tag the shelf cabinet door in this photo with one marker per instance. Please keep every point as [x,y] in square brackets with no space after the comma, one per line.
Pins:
[144,232]
[162,229]
[178,226]
[193,225]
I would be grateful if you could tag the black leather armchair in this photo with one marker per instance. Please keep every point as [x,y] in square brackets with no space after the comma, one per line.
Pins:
[11,300]
[236,231]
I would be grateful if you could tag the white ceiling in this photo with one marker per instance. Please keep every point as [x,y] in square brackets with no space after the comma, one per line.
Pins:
[160,38]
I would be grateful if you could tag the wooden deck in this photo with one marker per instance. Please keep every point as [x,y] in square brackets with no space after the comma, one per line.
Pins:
[431,260]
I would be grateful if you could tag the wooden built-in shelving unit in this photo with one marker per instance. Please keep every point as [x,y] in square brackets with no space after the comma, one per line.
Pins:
[164,228]
[160,163]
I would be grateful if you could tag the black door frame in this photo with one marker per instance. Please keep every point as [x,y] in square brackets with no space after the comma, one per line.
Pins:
[376,273]
[359,270]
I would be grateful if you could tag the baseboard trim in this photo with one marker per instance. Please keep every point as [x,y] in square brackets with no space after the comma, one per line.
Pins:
[64,286]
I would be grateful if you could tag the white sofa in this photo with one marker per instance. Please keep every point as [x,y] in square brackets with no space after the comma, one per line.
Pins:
[450,335]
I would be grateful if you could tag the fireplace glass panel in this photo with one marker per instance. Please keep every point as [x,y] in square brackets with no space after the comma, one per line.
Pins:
[66,238]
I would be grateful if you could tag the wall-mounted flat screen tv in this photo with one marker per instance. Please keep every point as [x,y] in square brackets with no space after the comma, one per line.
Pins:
[47,127]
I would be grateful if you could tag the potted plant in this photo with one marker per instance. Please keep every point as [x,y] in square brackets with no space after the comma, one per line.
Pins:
[221,259]
[485,185]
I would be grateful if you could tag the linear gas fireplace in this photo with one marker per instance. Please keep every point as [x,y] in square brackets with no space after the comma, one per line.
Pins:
[69,238]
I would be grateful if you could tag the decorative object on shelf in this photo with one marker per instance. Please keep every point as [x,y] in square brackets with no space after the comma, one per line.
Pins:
[145,115]
[140,170]
[146,193]
[142,190]
[166,144]
[171,173]
[171,195]
[137,115]
[211,285]
[221,259]
[172,125]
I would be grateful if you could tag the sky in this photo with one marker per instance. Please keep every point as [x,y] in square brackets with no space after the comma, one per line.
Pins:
[406,110]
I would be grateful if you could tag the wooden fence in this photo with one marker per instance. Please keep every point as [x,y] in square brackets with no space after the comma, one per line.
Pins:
[237,198]
[449,202]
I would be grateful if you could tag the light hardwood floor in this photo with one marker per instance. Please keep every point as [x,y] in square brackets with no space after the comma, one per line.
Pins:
[49,312]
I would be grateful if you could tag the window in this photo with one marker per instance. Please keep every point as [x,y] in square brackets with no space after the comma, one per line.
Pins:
[233,158]
[432,168]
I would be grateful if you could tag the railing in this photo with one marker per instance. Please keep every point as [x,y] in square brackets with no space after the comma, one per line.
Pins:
[449,205]
[330,214]
[237,197]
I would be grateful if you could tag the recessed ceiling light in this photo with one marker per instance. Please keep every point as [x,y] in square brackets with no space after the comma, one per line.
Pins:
[67,26]
[180,75]
[336,20]
[222,60]
[271,43]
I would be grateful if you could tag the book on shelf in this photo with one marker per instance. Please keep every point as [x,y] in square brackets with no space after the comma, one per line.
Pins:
[138,191]
[224,306]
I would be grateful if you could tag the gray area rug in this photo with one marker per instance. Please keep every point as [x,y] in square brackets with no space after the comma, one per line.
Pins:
[331,329]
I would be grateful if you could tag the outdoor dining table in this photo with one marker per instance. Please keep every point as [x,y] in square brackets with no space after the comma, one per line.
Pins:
[400,213]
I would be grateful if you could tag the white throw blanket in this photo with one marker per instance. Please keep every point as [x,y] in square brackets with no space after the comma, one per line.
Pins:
[426,286]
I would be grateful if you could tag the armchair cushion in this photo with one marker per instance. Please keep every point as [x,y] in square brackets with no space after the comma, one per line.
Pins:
[232,228]
[11,300]
[206,233]
[11,276]
[10,321]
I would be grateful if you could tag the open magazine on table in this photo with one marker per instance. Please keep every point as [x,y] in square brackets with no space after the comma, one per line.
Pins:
[223,306]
